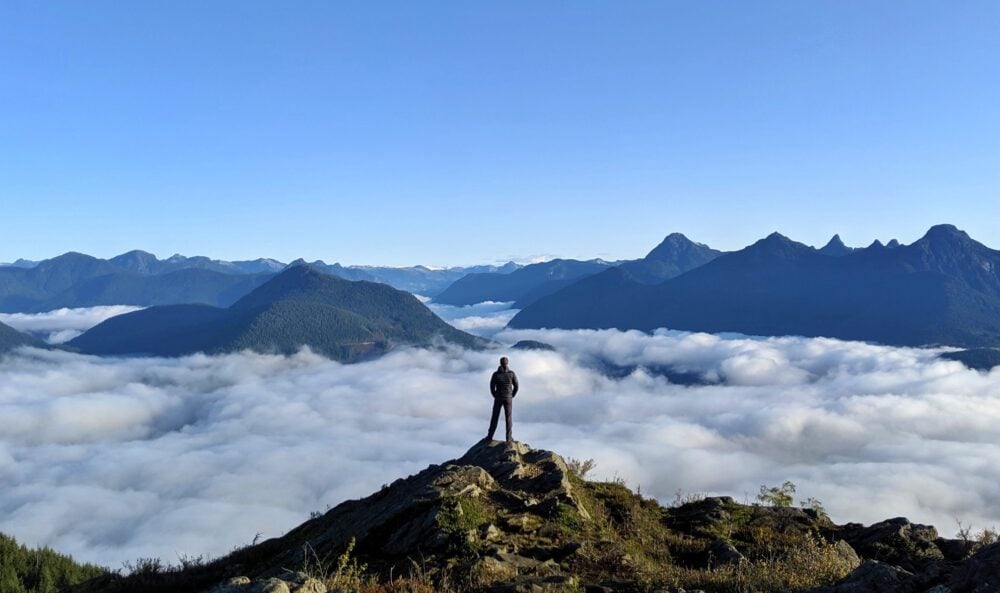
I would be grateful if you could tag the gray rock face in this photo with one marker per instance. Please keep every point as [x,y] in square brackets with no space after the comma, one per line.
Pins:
[978,574]
[847,553]
[896,541]
[487,504]
[874,577]
[290,583]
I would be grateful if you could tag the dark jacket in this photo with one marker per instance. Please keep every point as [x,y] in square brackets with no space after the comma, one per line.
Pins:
[503,383]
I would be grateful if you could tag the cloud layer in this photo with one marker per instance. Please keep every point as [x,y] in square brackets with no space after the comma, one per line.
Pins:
[62,325]
[113,459]
[486,319]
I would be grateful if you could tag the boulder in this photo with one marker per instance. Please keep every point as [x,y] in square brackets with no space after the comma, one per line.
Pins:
[979,574]
[909,546]
[873,576]
[722,553]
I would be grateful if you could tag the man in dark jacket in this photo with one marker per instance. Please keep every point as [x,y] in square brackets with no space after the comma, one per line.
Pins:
[503,388]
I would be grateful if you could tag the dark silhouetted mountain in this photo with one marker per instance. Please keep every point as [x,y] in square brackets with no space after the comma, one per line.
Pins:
[533,345]
[893,244]
[524,285]
[10,338]
[78,280]
[416,279]
[942,289]
[190,285]
[302,306]
[675,255]
[20,263]
[980,359]
[430,281]
[334,269]
[835,247]
[24,289]
[141,262]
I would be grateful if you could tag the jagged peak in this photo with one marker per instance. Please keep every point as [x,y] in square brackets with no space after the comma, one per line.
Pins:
[672,244]
[835,246]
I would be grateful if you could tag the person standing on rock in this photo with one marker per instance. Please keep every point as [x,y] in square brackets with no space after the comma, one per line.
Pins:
[503,388]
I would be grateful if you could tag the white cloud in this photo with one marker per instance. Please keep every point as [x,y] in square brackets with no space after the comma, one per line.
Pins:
[62,325]
[484,319]
[112,459]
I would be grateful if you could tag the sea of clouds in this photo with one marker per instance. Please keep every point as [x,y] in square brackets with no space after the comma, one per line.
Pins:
[113,459]
[62,325]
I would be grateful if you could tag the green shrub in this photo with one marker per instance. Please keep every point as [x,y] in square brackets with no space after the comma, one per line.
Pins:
[777,496]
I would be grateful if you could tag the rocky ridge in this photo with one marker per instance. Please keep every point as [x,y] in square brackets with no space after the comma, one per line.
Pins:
[507,518]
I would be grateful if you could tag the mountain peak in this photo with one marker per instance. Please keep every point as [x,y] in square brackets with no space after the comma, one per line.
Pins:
[302,270]
[835,247]
[297,281]
[945,232]
[135,253]
[773,248]
[676,245]
[775,241]
[136,260]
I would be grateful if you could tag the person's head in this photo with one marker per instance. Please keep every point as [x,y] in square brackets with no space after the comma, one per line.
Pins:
[503,361]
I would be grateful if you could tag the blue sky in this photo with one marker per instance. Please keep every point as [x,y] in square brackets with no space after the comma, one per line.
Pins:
[467,132]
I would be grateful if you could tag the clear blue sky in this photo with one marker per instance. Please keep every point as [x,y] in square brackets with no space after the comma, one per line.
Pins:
[464,132]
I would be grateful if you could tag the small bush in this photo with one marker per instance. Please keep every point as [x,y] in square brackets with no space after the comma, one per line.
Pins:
[581,468]
[815,505]
[777,496]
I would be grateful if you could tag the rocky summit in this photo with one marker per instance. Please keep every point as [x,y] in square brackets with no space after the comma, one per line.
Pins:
[506,518]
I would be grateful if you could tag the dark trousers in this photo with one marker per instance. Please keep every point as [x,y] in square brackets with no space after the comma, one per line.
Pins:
[507,403]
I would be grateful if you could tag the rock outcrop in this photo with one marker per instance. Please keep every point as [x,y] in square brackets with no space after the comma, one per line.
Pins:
[506,518]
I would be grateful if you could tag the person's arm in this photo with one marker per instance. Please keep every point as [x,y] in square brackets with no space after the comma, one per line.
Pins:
[513,378]
[493,384]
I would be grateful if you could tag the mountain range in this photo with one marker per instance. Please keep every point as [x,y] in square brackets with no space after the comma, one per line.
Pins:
[301,306]
[942,289]
[675,255]
[523,286]
[78,280]
[139,278]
